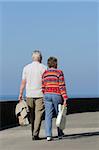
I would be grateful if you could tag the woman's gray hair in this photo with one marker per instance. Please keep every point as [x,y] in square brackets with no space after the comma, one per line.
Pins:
[37,56]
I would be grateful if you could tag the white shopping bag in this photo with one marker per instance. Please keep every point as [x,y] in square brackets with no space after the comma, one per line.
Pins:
[61,117]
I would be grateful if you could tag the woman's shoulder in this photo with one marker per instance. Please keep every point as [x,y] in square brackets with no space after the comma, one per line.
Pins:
[60,71]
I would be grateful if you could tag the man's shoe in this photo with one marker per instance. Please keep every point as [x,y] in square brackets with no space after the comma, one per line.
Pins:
[35,138]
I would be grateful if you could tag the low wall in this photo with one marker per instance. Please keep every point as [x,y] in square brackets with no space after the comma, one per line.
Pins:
[75,105]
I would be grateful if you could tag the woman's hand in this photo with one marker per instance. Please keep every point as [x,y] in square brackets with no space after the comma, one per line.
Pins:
[65,103]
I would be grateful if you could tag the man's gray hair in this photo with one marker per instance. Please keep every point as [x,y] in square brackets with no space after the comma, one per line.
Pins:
[37,56]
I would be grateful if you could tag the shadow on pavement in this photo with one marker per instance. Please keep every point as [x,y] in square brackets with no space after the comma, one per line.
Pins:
[75,136]
[81,135]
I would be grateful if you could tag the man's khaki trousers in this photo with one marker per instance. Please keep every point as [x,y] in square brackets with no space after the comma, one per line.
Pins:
[36,108]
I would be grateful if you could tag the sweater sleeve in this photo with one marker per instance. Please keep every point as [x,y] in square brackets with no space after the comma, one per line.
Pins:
[62,86]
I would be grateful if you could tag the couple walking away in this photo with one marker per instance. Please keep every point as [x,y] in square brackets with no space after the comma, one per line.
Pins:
[45,89]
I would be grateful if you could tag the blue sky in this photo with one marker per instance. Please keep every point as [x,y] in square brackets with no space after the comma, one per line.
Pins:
[67,30]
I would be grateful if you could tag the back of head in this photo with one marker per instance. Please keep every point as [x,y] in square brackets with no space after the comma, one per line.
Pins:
[52,62]
[37,56]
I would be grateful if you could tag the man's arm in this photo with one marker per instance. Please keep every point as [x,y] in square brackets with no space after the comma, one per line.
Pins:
[22,86]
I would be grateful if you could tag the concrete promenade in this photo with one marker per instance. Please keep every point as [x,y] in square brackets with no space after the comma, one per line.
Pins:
[81,133]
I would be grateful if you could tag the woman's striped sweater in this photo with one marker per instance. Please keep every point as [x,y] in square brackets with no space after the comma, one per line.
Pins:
[53,82]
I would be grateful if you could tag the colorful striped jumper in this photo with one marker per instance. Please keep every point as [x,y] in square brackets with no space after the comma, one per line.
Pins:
[53,82]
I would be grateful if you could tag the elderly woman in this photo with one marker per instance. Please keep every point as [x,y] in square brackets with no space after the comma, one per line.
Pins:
[54,90]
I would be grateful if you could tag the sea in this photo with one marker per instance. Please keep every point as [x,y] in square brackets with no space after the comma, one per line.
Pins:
[15,98]
[8,98]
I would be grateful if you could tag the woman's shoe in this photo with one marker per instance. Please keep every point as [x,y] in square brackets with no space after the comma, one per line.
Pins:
[49,138]
[60,136]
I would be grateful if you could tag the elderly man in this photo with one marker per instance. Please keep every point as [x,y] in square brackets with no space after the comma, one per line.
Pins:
[32,80]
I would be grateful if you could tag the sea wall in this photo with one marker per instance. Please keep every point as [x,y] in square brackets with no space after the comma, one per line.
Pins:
[75,105]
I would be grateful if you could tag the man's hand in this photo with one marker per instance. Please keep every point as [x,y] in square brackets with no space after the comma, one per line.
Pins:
[20,97]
